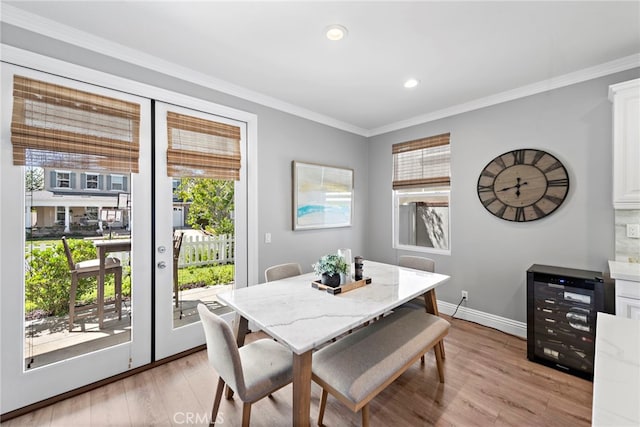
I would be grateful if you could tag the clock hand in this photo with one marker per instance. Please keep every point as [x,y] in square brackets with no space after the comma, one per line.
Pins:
[517,187]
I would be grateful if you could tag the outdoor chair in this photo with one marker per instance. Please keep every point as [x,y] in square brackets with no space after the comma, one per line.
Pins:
[177,244]
[91,268]
[252,371]
[282,271]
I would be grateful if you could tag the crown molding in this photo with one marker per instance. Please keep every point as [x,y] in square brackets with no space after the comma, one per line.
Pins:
[611,67]
[37,24]
[46,27]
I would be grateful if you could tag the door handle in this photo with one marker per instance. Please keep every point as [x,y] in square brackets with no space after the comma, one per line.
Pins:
[162,265]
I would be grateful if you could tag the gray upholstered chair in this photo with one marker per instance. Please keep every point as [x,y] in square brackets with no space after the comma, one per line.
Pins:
[282,271]
[252,371]
[91,268]
[417,263]
[424,264]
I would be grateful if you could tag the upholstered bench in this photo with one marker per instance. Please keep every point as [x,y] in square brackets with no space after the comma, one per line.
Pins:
[359,366]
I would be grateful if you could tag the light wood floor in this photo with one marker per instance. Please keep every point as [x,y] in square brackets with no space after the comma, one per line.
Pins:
[489,381]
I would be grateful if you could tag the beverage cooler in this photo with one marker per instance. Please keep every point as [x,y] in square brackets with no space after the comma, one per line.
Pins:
[562,306]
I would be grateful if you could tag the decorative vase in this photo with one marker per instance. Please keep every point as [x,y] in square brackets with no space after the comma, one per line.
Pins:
[332,280]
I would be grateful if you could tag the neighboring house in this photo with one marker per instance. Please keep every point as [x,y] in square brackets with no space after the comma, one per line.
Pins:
[76,197]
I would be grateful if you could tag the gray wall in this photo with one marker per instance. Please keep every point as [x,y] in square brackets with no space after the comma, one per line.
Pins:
[489,256]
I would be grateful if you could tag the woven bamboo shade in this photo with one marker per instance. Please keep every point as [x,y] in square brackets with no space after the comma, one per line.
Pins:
[57,126]
[202,148]
[422,163]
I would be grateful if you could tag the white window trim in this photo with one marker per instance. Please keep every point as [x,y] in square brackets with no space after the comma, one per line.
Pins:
[122,183]
[55,184]
[396,225]
[86,181]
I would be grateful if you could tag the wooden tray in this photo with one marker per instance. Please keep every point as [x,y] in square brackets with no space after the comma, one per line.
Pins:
[342,288]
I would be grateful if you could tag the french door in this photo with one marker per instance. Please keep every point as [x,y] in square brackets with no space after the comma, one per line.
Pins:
[142,207]
[44,354]
[214,257]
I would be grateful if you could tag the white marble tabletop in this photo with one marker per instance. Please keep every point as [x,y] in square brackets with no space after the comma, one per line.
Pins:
[303,318]
[616,381]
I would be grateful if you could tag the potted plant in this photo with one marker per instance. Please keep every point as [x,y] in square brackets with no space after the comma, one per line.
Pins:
[329,268]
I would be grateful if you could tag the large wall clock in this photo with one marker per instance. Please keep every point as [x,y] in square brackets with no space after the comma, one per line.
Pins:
[523,185]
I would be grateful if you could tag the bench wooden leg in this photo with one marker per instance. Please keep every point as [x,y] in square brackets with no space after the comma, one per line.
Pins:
[431,306]
[323,405]
[365,415]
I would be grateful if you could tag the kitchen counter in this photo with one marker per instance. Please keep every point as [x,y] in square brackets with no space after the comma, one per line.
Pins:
[624,270]
[616,382]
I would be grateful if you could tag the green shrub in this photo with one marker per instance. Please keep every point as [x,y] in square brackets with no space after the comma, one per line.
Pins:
[48,280]
[194,276]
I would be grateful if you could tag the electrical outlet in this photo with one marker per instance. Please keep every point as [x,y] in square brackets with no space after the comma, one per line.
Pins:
[633,231]
[465,295]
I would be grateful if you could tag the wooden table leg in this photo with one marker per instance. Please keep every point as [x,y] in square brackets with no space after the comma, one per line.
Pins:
[241,330]
[431,305]
[101,256]
[301,388]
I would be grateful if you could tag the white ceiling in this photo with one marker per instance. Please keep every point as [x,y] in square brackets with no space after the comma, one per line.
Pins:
[275,53]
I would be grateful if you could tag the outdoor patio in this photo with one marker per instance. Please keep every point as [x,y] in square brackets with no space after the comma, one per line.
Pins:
[48,340]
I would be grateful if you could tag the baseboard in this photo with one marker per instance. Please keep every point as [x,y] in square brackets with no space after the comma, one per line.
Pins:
[503,324]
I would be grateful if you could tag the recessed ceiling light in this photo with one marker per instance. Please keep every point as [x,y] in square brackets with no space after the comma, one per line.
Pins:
[336,32]
[411,83]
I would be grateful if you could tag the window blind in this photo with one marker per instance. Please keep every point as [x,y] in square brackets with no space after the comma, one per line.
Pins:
[57,126]
[422,163]
[202,148]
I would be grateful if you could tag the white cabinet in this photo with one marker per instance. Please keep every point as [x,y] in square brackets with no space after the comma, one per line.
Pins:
[628,299]
[627,277]
[626,144]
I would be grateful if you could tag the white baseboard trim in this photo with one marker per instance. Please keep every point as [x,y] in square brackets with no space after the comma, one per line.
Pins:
[503,324]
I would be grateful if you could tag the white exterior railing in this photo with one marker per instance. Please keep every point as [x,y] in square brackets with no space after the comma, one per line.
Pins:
[206,250]
[195,250]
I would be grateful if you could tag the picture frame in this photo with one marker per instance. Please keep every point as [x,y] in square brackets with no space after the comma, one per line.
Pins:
[322,196]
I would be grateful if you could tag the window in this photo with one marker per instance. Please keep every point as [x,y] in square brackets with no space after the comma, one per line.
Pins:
[60,212]
[91,181]
[63,180]
[117,183]
[421,194]
[91,212]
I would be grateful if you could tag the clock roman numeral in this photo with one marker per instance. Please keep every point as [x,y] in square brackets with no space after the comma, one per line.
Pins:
[488,174]
[539,155]
[553,166]
[558,182]
[520,215]
[500,163]
[553,199]
[539,212]
[518,157]
[500,212]
[485,188]
[489,201]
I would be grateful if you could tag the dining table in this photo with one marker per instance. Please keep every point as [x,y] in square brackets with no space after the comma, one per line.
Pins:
[303,317]
[105,246]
